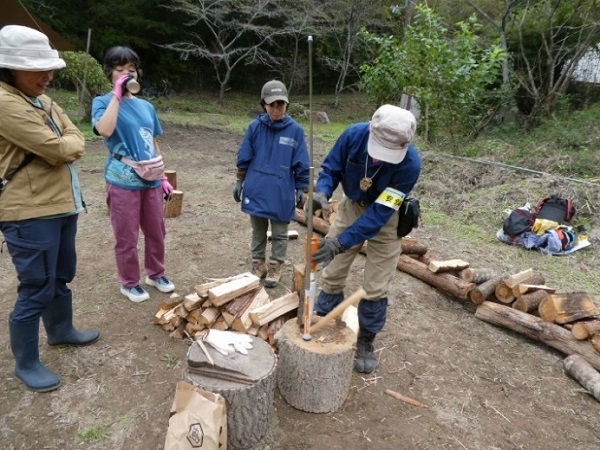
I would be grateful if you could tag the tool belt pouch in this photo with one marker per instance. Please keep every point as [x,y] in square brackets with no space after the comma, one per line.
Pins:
[149,170]
[408,216]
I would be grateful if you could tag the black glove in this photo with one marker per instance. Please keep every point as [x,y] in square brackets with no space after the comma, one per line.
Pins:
[300,198]
[237,190]
[328,248]
[320,202]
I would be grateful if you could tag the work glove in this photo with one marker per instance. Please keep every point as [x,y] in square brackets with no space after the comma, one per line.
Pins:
[119,88]
[319,201]
[227,342]
[328,248]
[166,187]
[237,190]
[300,198]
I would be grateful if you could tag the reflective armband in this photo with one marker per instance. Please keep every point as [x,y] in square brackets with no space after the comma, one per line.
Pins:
[392,198]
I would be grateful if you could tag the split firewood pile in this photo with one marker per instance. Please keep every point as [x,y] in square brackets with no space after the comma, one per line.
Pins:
[238,303]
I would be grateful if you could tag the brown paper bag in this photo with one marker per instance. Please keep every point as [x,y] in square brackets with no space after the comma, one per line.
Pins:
[198,420]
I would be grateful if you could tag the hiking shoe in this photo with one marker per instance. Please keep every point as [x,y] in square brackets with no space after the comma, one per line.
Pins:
[259,268]
[161,283]
[273,274]
[135,294]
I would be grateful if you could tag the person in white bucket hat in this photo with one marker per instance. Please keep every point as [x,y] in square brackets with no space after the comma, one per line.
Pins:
[377,167]
[40,201]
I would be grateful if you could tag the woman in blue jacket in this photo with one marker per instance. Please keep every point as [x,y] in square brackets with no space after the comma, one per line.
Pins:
[272,175]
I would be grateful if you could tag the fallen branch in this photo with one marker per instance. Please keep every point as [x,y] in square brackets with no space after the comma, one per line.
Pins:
[405,399]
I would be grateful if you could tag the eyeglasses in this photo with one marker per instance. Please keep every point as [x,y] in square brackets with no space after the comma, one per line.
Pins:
[276,103]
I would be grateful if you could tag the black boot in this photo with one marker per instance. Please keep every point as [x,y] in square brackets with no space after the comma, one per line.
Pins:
[366,361]
[58,321]
[24,342]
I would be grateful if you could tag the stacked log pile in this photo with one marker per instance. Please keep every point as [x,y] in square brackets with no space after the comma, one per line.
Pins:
[239,303]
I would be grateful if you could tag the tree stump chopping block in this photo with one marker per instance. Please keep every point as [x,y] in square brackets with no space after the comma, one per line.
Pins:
[314,376]
[247,382]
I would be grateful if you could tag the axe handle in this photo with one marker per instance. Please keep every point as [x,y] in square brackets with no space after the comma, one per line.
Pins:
[339,309]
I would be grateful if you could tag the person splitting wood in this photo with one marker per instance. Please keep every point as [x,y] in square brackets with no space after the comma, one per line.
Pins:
[272,176]
[377,167]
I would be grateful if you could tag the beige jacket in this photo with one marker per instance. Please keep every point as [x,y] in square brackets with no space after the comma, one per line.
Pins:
[43,187]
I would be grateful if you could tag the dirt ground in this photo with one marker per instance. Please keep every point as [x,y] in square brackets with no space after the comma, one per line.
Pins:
[486,387]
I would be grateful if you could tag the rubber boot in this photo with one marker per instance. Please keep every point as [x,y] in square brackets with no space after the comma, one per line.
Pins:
[274,273]
[24,342]
[259,268]
[366,361]
[58,321]
[326,302]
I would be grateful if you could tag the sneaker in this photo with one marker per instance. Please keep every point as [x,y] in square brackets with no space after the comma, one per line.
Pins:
[161,283]
[135,294]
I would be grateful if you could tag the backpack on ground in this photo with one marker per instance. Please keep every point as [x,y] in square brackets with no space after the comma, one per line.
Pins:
[518,221]
[555,208]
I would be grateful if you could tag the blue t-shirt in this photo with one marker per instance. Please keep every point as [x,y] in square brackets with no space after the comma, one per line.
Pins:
[137,126]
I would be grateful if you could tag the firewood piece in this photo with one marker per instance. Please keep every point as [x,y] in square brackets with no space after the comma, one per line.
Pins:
[220,324]
[159,316]
[569,307]
[477,276]
[582,371]
[232,310]
[521,289]
[405,399]
[413,249]
[291,234]
[191,327]
[595,340]
[181,311]
[178,333]
[265,313]
[172,301]
[445,282]
[194,316]
[503,293]
[274,327]
[517,278]
[585,329]
[485,289]
[209,316]
[174,205]
[263,332]
[202,289]
[530,302]
[171,178]
[219,295]
[451,265]
[192,301]
[243,323]
[315,376]
[536,328]
[537,278]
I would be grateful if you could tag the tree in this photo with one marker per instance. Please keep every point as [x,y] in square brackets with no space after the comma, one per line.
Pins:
[230,33]
[447,73]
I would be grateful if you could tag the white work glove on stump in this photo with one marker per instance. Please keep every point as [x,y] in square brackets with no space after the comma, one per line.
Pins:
[227,342]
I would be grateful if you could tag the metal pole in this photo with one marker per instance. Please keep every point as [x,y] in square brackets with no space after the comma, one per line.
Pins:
[83,83]
[310,282]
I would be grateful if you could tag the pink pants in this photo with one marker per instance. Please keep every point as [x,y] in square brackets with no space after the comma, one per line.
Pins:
[129,211]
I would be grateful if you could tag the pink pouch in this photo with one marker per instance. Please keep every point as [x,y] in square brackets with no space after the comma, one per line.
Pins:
[149,170]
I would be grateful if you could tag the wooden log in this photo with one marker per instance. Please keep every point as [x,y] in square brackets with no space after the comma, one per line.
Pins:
[521,289]
[530,302]
[580,370]
[485,290]
[568,307]
[270,311]
[315,375]
[477,276]
[171,178]
[445,282]
[247,382]
[174,206]
[352,300]
[413,249]
[225,292]
[451,265]
[535,328]
[585,329]
[537,278]
[503,293]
